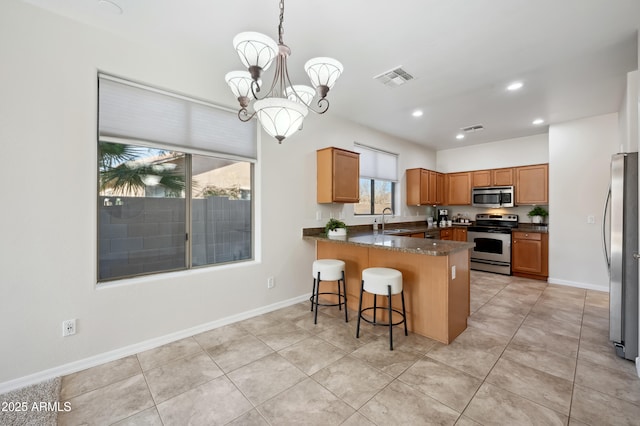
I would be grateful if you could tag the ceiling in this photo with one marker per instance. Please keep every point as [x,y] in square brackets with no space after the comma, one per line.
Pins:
[572,55]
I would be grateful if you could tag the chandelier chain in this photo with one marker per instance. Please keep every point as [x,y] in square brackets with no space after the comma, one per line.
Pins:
[281,26]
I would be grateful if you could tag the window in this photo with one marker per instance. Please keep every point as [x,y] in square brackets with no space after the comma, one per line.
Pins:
[175,182]
[378,179]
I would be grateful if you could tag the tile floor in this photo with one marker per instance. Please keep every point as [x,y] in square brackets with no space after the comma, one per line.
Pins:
[533,354]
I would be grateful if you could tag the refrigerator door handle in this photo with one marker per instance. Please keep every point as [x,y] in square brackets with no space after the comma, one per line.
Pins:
[607,258]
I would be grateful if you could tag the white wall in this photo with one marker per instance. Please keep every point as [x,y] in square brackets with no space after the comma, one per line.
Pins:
[494,155]
[48,134]
[579,158]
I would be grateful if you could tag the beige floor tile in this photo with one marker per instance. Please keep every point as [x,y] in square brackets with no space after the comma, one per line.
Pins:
[266,377]
[621,385]
[511,302]
[306,403]
[352,380]
[109,404]
[344,337]
[281,336]
[445,384]
[400,404]
[148,417]
[543,312]
[96,377]
[179,376]
[535,385]
[357,419]
[393,363]
[597,311]
[413,342]
[325,322]
[466,421]
[596,322]
[236,353]
[563,345]
[536,357]
[604,354]
[167,353]
[496,319]
[494,406]
[312,354]
[561,304]
[252,418]
[475,351]
[563,328]
[214,403]
[595,408]
[221,335]
[597,298]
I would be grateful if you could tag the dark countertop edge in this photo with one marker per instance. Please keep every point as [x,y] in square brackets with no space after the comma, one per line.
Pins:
[422,227]
[445,249]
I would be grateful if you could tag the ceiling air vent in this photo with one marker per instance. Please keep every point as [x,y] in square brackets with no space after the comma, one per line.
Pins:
[474,128]
[394,78]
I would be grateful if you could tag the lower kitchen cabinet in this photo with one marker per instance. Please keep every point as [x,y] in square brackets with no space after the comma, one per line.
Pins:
[446,234]
[417,235]
[459,234]
[530,255]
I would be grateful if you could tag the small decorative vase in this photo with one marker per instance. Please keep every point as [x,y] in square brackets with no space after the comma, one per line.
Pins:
[536,219]
[338,232]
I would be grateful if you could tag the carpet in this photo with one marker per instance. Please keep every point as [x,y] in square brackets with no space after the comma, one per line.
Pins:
[35,405]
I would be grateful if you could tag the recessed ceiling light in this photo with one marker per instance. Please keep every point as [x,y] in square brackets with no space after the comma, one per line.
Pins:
[516,85]
[538,121]
[110,6]
[417,113]
[459,136]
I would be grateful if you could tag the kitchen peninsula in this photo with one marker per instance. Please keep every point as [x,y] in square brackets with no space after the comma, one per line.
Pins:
[435,276]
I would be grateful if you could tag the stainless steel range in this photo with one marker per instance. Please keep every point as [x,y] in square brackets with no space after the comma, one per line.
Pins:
[492,235]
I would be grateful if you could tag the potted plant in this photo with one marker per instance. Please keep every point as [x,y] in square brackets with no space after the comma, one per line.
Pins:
[537,214]
[335,228]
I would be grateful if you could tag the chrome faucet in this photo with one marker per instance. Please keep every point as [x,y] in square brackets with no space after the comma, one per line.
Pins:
[385,209]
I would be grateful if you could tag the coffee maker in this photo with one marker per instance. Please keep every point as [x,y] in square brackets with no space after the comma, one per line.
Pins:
[443,215]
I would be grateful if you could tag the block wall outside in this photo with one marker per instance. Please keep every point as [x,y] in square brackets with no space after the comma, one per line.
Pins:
[140,235]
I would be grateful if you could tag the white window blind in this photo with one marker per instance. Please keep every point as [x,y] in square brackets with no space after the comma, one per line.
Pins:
[377,164]
[133,112]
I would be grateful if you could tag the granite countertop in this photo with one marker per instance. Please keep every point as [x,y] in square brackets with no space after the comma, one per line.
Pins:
[425,246]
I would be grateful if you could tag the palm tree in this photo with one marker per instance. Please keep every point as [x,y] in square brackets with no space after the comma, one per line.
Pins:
[124,171]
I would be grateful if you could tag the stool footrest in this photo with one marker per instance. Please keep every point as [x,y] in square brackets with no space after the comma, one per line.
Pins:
[341,302]
[397,311]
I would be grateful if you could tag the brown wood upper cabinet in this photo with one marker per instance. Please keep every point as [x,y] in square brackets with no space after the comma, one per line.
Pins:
[493,177]
[338,175]
[458,189]
[532,184]
[424,187]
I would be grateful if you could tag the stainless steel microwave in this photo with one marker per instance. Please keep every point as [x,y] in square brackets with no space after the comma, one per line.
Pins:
[493,197]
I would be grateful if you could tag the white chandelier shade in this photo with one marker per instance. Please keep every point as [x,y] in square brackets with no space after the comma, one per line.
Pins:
[281,107]
[280,117]
[240,83]
[255,49]
[323,71]
[300,93]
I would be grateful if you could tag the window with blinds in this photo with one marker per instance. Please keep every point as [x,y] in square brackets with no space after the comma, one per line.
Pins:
[175,182]
[378,179]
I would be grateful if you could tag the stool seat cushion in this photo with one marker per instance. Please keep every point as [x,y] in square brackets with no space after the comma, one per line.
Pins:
[376,280]
[329,269]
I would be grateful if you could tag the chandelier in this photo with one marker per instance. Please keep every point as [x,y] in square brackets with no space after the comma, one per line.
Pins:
[283,108]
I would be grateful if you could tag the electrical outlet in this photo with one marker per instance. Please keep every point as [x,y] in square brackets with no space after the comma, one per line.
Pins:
[453,272]
[318,215]
[271,282]
[68,327]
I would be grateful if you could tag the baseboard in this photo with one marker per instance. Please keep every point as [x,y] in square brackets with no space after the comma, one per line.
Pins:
[558,281]
[102,358]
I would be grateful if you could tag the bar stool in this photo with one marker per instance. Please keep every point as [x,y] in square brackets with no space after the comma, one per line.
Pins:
[328,270]
[382,282]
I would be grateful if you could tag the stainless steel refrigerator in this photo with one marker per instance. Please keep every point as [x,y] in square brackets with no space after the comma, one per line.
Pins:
[622,254]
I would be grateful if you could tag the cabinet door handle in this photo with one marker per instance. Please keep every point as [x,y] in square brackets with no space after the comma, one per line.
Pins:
[636,256]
